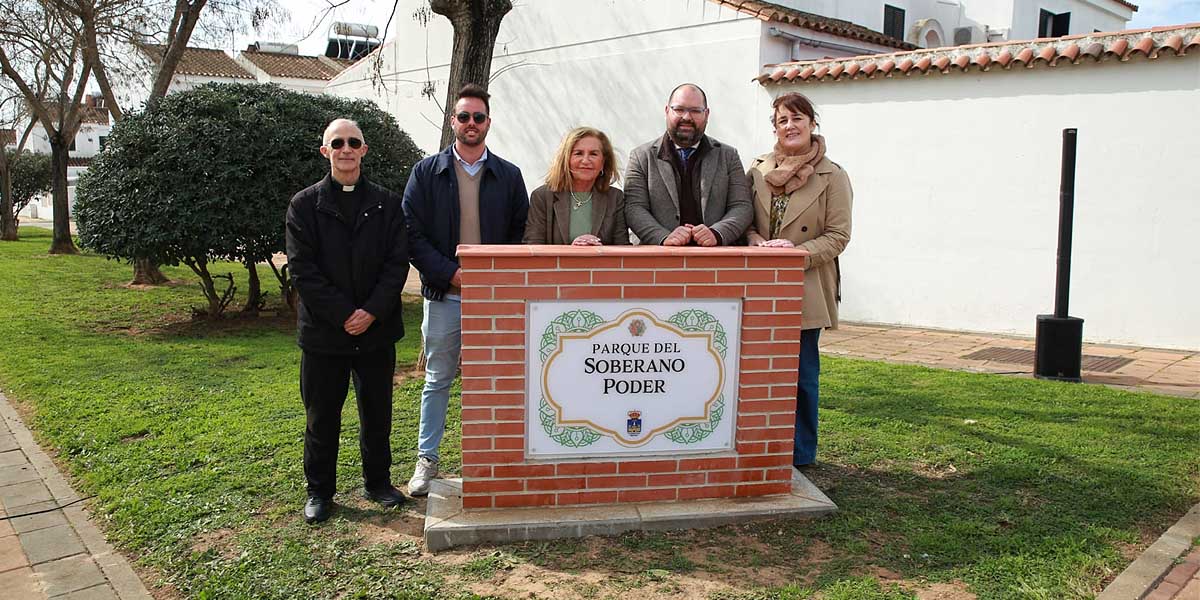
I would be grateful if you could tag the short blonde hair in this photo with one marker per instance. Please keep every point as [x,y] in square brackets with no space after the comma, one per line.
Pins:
[558,178]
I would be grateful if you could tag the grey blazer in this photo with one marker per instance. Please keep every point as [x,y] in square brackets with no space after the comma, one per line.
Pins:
[652,198]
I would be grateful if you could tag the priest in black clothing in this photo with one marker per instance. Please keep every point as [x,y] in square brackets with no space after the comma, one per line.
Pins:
[348,254]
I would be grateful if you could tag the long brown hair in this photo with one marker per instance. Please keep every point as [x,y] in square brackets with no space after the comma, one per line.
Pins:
[558,178]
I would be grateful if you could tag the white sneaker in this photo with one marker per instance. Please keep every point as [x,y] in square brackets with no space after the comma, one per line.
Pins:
[423,474]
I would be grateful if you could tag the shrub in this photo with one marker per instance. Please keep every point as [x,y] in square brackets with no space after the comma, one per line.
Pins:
[207,174]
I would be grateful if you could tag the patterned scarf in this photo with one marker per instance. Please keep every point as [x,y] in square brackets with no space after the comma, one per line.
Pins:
[791,172]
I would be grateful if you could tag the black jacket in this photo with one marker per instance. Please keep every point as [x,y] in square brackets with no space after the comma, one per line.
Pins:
[341,264]
[431,209]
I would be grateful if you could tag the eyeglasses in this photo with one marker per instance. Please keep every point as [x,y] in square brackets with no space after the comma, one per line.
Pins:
[465,116]
[694,111]
[337,143]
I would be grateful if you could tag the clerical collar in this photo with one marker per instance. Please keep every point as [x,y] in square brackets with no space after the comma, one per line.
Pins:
[338,187]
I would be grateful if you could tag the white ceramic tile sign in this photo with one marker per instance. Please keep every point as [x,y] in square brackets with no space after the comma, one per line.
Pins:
[645,377]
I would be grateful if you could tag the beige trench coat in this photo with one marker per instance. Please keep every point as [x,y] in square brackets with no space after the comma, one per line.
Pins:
[817,219]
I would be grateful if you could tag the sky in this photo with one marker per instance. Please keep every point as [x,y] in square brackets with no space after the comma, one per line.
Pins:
[309,20]
[1152,13]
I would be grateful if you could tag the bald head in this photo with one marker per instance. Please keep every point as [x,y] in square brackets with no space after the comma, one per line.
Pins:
[344,146]
[346,127]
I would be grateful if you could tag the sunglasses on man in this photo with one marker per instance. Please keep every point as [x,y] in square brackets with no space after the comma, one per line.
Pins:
[465,116]
[337,143]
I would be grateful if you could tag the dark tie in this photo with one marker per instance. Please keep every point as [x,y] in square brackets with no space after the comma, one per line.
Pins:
[684,155]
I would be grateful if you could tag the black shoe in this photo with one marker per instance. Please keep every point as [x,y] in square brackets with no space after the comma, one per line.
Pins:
[389,496]
[805,466]
[317,509]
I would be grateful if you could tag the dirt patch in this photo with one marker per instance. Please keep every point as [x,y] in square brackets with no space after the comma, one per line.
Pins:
[407,373]
[402,526]
[220,541]
[233,321]
[954,590]
[143,286]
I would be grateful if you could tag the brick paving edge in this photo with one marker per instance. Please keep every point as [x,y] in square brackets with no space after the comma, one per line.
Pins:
[122,578]
[1140,578]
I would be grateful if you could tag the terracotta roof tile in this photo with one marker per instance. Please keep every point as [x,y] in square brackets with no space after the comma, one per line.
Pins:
[769,11]
[87,114]
[202,62]
[1070,50]
[8,136]
[73,161]
[294,65]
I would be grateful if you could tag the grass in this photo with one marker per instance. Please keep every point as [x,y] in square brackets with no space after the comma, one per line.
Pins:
[189,435]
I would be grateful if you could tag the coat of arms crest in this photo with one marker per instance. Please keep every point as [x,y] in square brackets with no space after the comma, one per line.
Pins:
[637,327]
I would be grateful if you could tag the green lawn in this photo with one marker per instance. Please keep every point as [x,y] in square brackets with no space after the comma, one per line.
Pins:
[189,435]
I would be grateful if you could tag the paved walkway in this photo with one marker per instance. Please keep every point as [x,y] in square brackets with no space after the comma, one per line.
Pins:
[47,551]
[1171,372]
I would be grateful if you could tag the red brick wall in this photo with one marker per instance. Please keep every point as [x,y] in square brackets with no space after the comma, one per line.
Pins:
[497,282]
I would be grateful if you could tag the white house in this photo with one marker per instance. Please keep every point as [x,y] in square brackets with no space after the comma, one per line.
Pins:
[953,151]
[955,157]
[932,23]
[89,141]
[551,73]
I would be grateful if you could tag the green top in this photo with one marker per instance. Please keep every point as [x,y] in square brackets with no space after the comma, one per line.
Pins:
[581,214]
[779,206]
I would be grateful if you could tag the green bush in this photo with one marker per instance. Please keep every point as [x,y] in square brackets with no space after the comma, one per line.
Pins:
[30,174]
[207,174]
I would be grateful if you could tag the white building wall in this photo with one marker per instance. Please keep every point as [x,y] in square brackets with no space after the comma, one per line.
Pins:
[1087,16]
[1019,18]
[183,83]
[614,74]
[956,197]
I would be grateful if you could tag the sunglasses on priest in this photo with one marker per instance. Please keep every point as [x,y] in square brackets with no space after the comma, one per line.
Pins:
[338,143]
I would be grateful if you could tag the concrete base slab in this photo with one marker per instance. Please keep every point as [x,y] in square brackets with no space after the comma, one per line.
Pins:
[447,525]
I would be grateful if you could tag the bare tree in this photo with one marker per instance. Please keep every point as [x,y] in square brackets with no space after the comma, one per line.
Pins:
[37,40]
[116,33]
[476,24]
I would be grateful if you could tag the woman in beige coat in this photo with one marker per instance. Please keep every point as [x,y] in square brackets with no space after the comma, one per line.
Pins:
[579,205]
[802,199]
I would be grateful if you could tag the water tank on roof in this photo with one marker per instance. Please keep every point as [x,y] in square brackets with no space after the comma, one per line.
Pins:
[355,30]
[351,41]
[277,47]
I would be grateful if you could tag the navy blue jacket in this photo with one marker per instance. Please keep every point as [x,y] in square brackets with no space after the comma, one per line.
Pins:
[432,216]
[340,263]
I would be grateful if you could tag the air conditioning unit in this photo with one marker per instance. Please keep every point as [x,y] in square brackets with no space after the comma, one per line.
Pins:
[969,35]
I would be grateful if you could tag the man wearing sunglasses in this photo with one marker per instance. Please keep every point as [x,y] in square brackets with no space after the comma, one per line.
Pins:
[463,195]
[686,188]
[347,250]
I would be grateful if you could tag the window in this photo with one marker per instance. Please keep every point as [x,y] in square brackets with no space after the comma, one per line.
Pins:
[893,21]
[103,139]
[1053,25]
[72,148]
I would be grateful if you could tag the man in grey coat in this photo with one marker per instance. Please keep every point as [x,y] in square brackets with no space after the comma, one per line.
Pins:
[686,187]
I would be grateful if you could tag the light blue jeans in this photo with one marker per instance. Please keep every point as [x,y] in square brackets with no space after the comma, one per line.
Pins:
[442,329]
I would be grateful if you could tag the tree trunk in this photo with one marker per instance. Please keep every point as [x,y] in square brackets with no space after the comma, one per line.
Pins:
[476,24]
[8,220]
[145,272]
[200,268]
[62,244]
[253,289]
